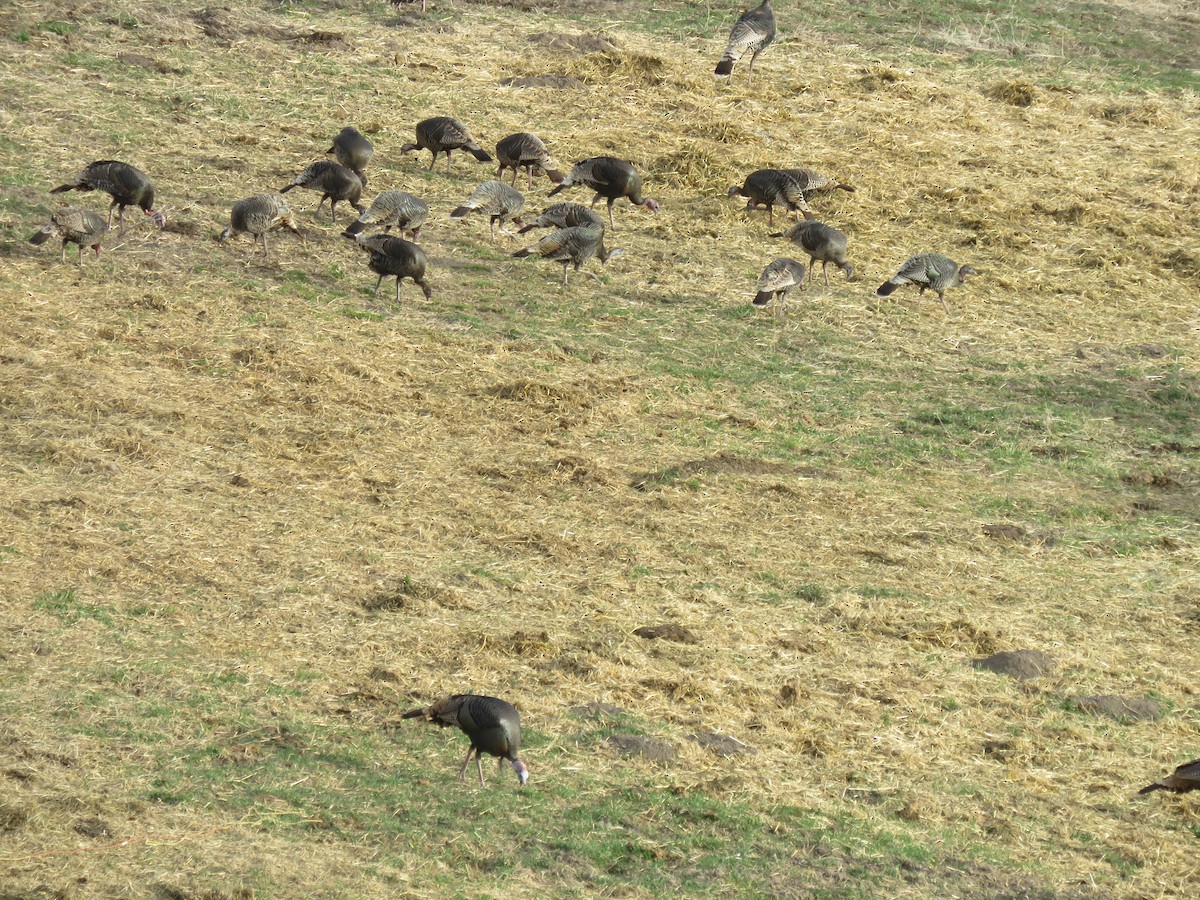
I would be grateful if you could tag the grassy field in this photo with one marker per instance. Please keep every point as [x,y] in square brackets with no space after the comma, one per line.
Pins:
[249,515]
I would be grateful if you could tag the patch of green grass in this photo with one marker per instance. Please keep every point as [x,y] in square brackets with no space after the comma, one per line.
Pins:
[67,606]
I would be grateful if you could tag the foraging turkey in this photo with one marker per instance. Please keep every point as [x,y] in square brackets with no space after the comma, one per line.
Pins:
[771,188]
[1185,778]
[821,242]
[441,134]
[752,32]
[777,279]
[499,201]
[259,214]
[574,245]
[526,151]
[564,215]
[74,226]
[929,271]
[815,183]
[393,209]
[353,150]
[128,186]
[492,724]
[393,256]
[611,178]
[334,181]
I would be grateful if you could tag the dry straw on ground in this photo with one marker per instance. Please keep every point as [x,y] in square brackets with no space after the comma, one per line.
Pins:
[202,446]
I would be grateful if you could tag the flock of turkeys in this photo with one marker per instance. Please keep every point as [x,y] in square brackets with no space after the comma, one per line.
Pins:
[493,725]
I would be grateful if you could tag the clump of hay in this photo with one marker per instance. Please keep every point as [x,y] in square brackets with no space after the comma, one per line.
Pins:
[1019,92]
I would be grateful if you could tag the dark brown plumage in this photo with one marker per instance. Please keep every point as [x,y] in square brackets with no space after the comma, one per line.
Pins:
[564,214]
[127,185]
[752,33]
[1185,778]
[74,226]
[393,256]
[771,188]
[526,151]
[492,724]
[441,134]
[352,149]
[334,181]
[610,178]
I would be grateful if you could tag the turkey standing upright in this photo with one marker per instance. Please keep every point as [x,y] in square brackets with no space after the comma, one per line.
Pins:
[393,209]
[127,185]
[395,256]
[526,151]
[771,188]
[752,32]
[75,226]
[611,178]
[441,134]
[353,150]
[334,181]
[493,725]
[499,201]
[821,242]
[259,214]
[929,271]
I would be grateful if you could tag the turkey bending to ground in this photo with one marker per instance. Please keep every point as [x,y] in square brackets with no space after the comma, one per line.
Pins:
[776,280]
[752,32]
[492,724]
[74,226]
[929,271]
[564,215]
[574,245]
[393,256]
[771,188]
[815,183]
[259,214]
[496,199]
[334,181]
[611,178]
[128,186]
[353,150]
[821,242]
[1185,778]
[441,134]
[393,209]
[526,151]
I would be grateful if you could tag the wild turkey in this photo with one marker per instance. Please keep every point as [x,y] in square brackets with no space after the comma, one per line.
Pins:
[564,215]
[498,201]
[492,724]
[771,188]
[815,183]
[259,214]
[441,134]
[74,226]
[611,178]
[574,245]
[821,242]
[393,256]
[393,209]
[1185,778]
[526,151]
[334,181]
[777,279]
[128,186]
[353,150]
[929,271]
[752,32]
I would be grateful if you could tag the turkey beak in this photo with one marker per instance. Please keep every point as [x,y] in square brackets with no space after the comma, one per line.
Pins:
[522,771]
